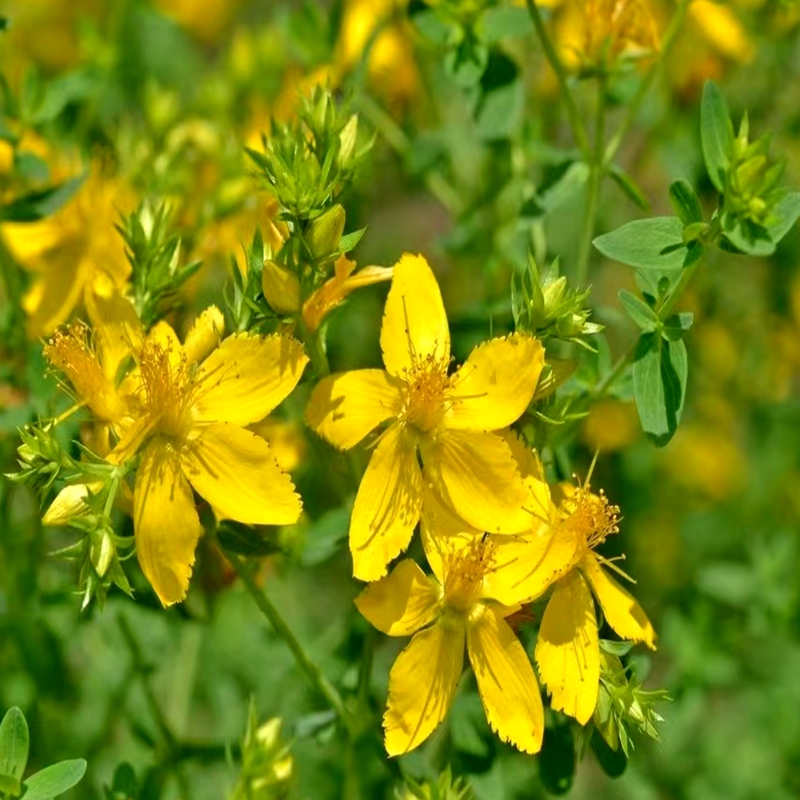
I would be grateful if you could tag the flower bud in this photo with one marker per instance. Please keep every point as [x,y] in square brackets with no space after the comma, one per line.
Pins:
[325,233]
[281,288]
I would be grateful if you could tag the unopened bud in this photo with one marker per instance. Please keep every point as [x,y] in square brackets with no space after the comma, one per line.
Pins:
[325,232]
[281,288]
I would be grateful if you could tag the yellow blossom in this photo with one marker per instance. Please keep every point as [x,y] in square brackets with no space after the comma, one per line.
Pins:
[195,402]
[70,251]
[451,420]
[205,19]
[568,648]
[475,586]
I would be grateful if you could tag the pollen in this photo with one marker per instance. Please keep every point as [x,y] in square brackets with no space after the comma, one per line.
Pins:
[166,386]
[464,571]
[72,351]
[590,516]
[426,382]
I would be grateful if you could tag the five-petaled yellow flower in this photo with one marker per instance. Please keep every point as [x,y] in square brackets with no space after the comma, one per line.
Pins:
[478,581]
[451,420]
[195,402]
[568,650]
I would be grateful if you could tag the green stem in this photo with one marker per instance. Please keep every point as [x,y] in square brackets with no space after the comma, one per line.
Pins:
[596,173]
[665,309]
[400,143]
[575,121]
[633,107]
[317,353]
[312,671]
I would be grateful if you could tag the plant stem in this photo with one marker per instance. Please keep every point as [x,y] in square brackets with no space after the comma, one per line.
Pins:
[312,671]
[633,107]
[665,309]
[400,143]
[596,174]
[575,121]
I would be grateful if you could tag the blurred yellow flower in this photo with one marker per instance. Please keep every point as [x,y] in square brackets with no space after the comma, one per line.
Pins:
[381,26]
[611,425]
[451,420]
[195,402]
[568,649]
[71,251]
[204,19]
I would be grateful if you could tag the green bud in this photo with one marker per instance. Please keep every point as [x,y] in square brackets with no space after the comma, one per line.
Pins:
[347,142]
[325,233]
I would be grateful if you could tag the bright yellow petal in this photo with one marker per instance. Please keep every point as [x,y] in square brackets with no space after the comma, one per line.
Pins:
[476,475]
[414,321]
[116,326]
[526,565]
[58,293]
[506,682]
[235,471]
[387,505]
[204,335]
[165,522]
[422,685]
[530,468]
[402,602]
[247,376]
[568,651]
[494,386]
[723,29]
[621,610]
[344,408]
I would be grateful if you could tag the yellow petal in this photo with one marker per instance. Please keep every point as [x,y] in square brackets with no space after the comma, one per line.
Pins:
[422,685]
[116,326]
[235,471]
[621,610]
[204,335]
[387,505]
[532,472]
[58,293]
[723,29]
[70,502]
[281,288]
[568,651]
[494,386]
[165,522]
[526,565]
[247,376]
[475,474]
[344,408]
[402,602]
[414,321]
[506,682]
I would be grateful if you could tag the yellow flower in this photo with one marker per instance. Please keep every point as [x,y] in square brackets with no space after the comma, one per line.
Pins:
[390,63]
[568,649]
[205,19]
[196,400]
[282,289]
[450,420]
[91,359]
[70,251]
[476,585]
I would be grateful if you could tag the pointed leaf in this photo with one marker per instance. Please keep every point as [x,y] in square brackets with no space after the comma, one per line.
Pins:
[716,133]
[651,244]
[13,744]
[55,780]
[641,313]
[685,202]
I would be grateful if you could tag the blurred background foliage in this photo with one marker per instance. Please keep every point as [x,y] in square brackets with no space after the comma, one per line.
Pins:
[473,164]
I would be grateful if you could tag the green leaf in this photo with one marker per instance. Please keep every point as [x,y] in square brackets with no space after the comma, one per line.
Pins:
[652,244]
[501,102]
[13,744]
[629,187]
[685,202]
[677,325]
[245,540]
[612,762]
[505,22]
[643,316]
[716,133]
[53,781]
[349,241]
[326,537]
[660,371]
[557,760]
[10,785]
[41,203]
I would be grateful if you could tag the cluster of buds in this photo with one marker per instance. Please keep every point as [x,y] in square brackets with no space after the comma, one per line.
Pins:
[445,787]
[622,703]
[751,189]
[267,763]
[547,307]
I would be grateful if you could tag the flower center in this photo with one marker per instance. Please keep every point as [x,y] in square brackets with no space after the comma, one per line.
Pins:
[166,387]
[589,516]
[464,570]
[424,404]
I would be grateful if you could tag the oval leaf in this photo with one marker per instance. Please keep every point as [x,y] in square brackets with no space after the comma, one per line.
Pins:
[716,133]
[641,313]
[13,744]
[652,244]
[53,781]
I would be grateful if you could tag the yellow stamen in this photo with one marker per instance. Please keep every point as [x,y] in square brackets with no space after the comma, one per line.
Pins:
[464,571]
